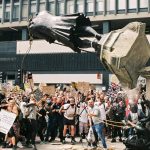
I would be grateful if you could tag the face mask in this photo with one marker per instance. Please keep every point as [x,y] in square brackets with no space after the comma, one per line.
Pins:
[139,101]
[48,101]
[25,99]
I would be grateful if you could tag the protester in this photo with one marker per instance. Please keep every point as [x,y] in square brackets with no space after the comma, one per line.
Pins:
[65,111]
[98,125]
[69,118]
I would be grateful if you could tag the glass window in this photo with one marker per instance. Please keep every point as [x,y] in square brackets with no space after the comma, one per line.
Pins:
[7,13]
[15,12]
[0,12]
[70,7]
[132,4]
[7,16]
[60,7]
[110,5]
[80,6]
[42,7]
[51,7]
[100,5]
[33,9]
[24,9]
[121,4]
[7,1]
[0,2]
[89,6]
[143,3]
[16,1]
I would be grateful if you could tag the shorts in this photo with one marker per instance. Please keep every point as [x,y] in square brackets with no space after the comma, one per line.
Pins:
[69,122]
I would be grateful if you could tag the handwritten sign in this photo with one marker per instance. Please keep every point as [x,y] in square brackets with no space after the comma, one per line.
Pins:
[6,121]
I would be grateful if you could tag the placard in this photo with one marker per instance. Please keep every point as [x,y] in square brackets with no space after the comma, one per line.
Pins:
[83,87]
[6,121]
[49,90]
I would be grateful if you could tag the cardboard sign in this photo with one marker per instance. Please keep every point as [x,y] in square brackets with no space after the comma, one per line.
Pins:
[6,121]
[83,87]
[49,90]
[38,94]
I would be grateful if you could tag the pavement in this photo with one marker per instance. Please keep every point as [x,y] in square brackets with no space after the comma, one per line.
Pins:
[56,145]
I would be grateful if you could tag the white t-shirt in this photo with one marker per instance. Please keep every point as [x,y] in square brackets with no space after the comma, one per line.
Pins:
[83,112]
[23,108]
[102,110]
[33,111]
[69,111]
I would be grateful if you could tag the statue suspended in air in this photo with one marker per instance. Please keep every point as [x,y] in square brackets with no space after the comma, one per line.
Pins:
[67,29]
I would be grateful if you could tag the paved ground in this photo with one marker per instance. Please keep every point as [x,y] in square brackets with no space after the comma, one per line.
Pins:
[56,145]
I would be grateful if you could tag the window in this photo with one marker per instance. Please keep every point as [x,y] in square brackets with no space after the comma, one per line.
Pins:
[132,5]
[51,7]
[70,7]
[0,13]
[33,9]
[121,6]
[7,1]
[16,1]
[99,6]
[89,6]
[7,13]
[60,7]
[15,12]
[42,6]
[24,10]
[7,16]
[0,2]
[110,6]
[143,5]
[80,6]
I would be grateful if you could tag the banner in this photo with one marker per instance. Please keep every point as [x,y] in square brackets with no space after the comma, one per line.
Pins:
[6,121]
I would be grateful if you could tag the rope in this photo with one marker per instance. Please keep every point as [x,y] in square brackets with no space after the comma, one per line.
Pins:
[114,121]
[113,125]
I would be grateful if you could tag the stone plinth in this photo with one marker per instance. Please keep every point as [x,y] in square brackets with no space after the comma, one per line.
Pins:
[126,51]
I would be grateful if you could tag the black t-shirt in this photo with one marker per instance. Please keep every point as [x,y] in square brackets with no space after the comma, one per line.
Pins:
[57,107]
[43,113]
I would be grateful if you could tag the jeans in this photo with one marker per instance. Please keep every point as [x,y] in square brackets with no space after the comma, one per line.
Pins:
[99,130]
[50,129]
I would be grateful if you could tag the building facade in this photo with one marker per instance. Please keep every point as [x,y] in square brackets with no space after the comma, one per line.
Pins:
[106,15]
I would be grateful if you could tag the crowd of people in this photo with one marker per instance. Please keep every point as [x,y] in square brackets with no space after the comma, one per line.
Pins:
[70,115]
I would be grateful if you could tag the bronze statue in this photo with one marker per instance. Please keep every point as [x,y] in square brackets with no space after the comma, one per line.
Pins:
[124,52]
[67,29]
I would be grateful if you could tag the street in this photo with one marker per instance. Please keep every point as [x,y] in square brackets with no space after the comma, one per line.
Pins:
[56,145]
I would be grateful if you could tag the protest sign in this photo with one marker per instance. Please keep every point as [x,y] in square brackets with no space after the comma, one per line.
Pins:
[83,87]
[49,90]
[38,94]
[6,121]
